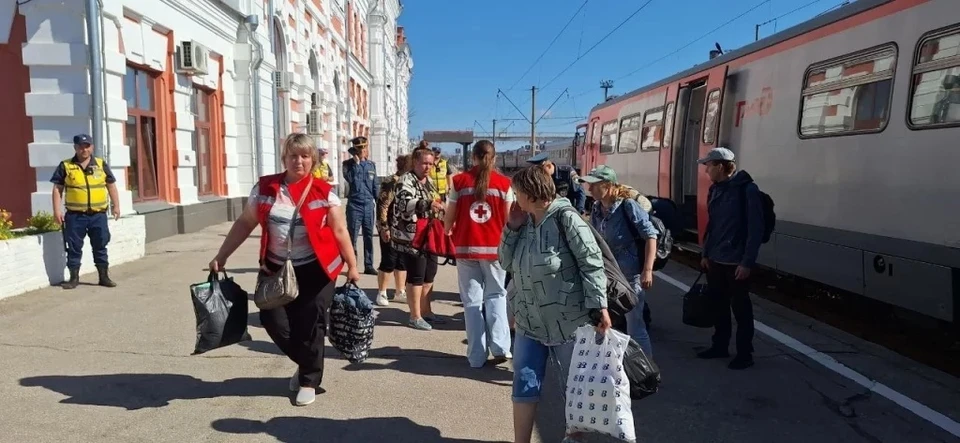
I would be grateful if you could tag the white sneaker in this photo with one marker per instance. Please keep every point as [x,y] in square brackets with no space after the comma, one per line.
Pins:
[399,295]
[382,299]
[295,381]
[306,396]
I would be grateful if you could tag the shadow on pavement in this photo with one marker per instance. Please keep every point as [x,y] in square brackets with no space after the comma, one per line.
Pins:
[266,347]
[445,296]
[432,363]
[308,429]
[139,391]
[398,317]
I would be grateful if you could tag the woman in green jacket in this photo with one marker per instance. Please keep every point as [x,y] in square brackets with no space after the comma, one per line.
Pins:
[559,283]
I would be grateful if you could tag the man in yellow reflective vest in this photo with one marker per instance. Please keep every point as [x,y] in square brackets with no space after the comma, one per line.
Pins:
[440,175]
[86,182]
[323,171]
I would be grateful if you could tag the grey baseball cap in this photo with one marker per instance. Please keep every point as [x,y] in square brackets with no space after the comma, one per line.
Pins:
[718,154]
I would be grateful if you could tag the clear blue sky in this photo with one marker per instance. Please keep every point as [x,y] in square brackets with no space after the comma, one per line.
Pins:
[464,50]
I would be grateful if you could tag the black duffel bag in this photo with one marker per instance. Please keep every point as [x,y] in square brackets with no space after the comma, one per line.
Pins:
[697,306]
[642,372]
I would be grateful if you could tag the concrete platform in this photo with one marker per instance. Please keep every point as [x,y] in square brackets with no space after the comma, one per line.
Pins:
[113,365]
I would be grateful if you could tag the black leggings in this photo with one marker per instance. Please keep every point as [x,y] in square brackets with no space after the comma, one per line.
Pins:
[420,268]
[390,258]
[299,328]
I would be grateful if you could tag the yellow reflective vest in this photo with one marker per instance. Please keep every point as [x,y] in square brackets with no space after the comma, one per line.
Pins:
[439,176]
[85,192]
[322,171]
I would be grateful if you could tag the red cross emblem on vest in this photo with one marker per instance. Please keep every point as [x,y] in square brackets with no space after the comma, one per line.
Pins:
[480,212]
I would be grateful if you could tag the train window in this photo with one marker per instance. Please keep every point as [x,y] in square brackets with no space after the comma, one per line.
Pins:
[652,134]
[849,95]
[608,137]
[629,139]
[710,120]
[668,126]
[594,134]
[935,89]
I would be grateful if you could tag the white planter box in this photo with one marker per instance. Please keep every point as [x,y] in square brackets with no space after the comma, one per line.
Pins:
[37,261]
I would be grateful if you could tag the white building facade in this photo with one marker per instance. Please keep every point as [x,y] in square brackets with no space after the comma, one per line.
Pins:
[199,94]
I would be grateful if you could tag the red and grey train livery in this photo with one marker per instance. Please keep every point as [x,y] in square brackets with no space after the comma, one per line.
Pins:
[850,121]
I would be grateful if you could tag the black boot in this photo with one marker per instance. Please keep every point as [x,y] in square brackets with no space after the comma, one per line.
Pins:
[105,277]
[73,281]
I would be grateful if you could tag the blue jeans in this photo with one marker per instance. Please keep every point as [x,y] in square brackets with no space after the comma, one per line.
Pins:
[360,217]
[530,366]
[636,327]
[481,287]
[78,225]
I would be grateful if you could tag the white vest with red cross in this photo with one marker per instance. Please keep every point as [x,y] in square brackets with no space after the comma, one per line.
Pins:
[479,223]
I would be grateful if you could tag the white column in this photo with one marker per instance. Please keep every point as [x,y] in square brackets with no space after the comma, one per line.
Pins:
[59,101]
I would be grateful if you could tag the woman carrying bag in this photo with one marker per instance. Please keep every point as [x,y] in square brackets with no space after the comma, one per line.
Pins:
[304,244]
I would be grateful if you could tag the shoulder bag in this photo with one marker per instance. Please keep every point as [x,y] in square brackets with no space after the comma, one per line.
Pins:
[278,289]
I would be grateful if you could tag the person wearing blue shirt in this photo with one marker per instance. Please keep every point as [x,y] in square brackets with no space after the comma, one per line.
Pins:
[360,175]
[564,179]
[731,244]
[632,238]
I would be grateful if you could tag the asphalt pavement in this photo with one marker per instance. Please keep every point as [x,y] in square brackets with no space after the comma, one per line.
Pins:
[114,365]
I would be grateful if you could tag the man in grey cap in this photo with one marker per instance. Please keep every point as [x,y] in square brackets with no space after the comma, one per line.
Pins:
[731,244]
[89,189]
[564,179]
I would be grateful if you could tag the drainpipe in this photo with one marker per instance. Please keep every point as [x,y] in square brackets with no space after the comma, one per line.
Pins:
[277,134]
[95,55]
[251,21]
[349,51]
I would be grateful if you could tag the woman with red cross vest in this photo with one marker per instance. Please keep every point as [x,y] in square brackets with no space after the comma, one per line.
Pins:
[478,202]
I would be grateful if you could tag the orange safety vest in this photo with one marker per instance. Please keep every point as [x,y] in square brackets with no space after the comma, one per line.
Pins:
[479,223]
[314,214]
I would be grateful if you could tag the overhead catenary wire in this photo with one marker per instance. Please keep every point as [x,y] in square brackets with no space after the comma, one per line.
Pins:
[555,38]
[807,5]
[604,38]
[687,45]
[551,106]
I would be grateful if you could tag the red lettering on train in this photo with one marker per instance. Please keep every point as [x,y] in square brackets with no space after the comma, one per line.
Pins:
[758,106]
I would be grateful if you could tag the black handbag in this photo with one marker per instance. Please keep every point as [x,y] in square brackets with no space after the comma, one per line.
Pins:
[697,306]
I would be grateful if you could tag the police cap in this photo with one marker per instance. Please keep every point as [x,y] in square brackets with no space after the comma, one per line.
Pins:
[359,142]
[539,158]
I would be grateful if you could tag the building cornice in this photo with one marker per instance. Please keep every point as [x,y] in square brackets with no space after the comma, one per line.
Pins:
[201,17]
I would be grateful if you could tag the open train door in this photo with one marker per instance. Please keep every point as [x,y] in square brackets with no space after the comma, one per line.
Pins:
[709,137]
[592,146]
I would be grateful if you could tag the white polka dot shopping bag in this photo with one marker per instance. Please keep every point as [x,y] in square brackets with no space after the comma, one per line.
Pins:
[598,392]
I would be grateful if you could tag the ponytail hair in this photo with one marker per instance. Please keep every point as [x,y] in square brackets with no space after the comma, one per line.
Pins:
[483,156]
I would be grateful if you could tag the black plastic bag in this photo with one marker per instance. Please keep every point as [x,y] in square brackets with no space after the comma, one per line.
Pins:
[352,317]
[221,308]
[642,372]
[697,306]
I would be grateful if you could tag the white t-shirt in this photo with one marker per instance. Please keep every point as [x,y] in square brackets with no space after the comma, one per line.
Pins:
[278,225]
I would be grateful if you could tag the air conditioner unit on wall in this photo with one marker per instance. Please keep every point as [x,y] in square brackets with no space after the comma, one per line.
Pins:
[282,80]
[314,119]
[192,58]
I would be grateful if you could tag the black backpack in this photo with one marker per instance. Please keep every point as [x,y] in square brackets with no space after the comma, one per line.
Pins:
[620,296]
[664,240]
[769,216]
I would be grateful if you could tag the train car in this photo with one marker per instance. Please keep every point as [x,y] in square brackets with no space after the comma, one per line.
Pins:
[850,121]
[561,152]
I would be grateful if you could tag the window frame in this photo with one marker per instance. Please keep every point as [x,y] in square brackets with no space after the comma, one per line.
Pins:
[873,78]
[639,129]
[644,124]
[139,114]
[916,68]
[615,132]
[204,98]
[714,126]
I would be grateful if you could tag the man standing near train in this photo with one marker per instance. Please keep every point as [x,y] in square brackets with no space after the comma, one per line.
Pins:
[86,182]
[360,174]
[565,179]
[731,244]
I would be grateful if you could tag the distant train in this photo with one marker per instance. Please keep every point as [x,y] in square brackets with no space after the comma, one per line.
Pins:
[850,121]
[562,152]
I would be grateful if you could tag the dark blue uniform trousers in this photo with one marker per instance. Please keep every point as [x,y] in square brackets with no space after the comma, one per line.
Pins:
[360,215]
[78,225]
